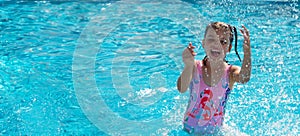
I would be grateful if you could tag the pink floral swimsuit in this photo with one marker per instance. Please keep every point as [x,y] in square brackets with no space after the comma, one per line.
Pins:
[205,111]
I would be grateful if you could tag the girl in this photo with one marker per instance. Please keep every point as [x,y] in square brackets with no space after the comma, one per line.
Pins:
[210,80]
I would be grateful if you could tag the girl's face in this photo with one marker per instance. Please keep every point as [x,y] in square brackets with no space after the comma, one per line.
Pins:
[216,43]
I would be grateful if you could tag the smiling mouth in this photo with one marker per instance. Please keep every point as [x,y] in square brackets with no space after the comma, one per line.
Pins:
[215,53]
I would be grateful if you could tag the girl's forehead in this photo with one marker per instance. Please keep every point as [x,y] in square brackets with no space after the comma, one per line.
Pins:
[212,33]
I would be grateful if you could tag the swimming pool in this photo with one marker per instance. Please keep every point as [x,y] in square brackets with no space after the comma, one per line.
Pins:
[110,67]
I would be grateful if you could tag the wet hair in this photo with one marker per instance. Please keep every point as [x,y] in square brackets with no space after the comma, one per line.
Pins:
[226,28]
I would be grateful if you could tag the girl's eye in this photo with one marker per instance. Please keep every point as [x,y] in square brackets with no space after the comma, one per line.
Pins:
[223,42]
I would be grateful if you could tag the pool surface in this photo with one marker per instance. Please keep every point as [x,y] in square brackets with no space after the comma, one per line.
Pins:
[110,67]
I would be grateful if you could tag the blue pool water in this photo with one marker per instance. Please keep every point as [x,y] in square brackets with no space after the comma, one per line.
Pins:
[110,67]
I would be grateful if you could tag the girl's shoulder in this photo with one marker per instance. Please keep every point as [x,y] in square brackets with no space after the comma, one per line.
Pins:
[233,72]
[235,69]
[198,63]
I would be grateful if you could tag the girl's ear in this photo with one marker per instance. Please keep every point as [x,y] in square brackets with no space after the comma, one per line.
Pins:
[230,46]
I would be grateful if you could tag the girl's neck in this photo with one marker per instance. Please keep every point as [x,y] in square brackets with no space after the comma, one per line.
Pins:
[214,65]
[212,71]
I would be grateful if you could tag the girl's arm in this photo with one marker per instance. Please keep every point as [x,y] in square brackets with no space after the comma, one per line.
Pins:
[186,76]
[242,75]
[184,79]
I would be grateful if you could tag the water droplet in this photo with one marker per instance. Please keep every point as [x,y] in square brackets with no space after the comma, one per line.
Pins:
[280,62]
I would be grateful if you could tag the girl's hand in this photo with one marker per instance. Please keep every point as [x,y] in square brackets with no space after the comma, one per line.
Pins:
[246,36]
[188,55]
